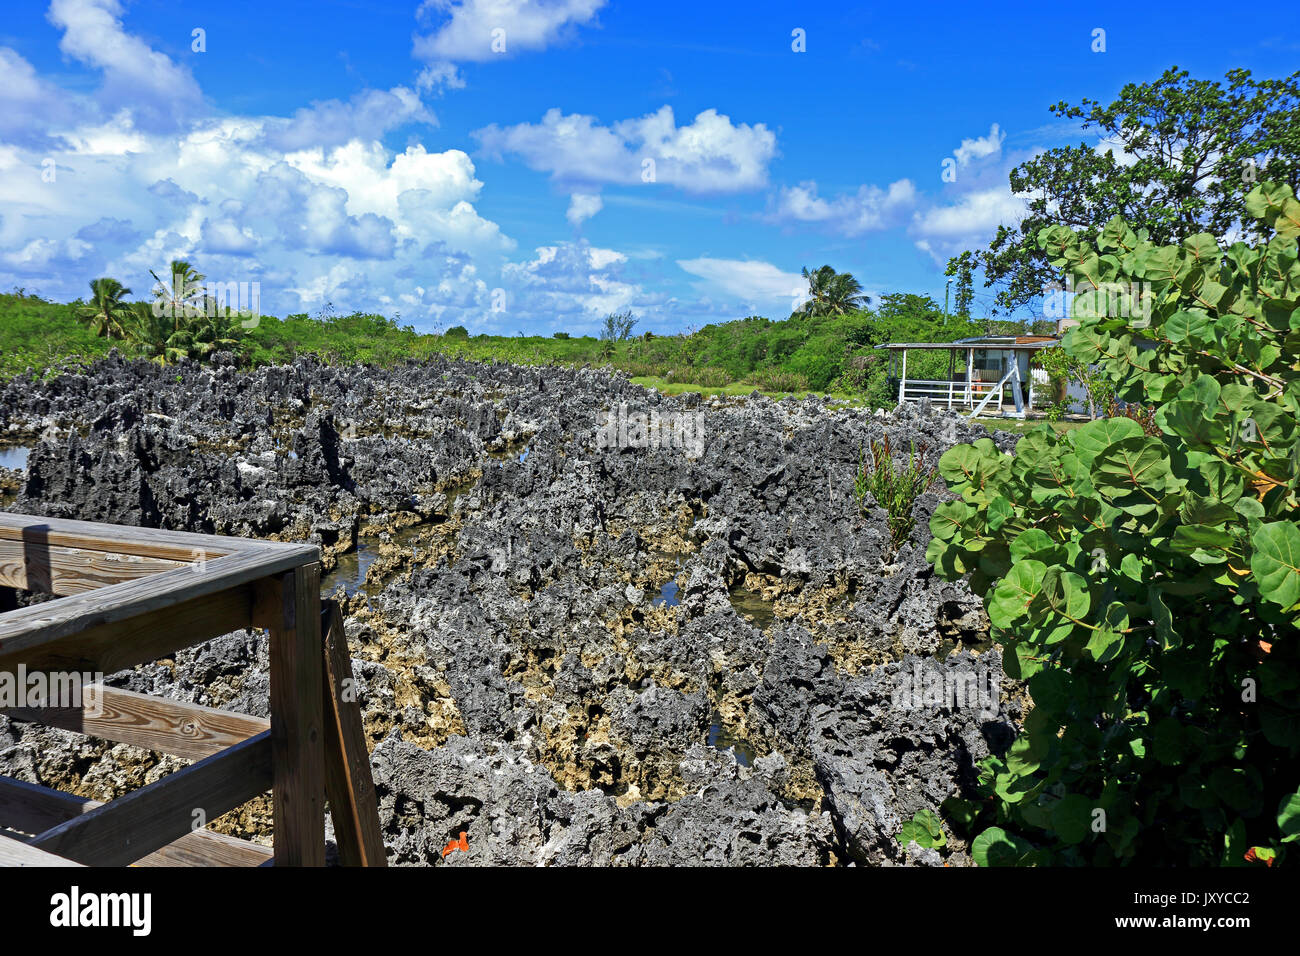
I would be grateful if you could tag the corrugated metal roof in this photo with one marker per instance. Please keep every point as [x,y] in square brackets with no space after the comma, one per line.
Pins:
[1013,342]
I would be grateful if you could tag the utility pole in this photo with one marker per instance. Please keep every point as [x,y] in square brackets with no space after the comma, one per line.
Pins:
[947,287]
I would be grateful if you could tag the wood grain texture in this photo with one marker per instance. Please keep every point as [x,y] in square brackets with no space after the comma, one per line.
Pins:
[349,784]
[54,569]
[206,848]
[145,542]
[297,718]
[112,646]
[32,809]
[16,853]
[152,723]
[148,819]
[40,623]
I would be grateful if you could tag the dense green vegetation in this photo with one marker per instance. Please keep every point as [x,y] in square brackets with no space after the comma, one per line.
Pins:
[39,335]
[1147,586]
[833,352]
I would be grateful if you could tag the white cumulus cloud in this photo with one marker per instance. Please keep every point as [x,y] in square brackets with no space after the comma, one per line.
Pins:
[159,92]
[583,206]
[708,155]
[466,30]
[756,284]
[981,147]
[849,214]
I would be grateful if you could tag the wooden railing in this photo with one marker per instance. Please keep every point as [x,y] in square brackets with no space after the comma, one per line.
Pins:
[128,596]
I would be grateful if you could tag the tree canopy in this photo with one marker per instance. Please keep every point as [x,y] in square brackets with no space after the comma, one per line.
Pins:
[1178,157]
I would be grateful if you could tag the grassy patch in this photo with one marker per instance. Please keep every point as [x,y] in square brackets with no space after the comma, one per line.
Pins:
[734,390]
[1024,426]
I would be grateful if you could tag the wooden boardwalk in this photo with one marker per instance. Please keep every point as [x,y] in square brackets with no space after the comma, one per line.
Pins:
[127,596]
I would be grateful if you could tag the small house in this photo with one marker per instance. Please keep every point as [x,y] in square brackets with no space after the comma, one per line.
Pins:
[992,374]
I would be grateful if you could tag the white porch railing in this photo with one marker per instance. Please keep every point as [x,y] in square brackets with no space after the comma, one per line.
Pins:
[949,394]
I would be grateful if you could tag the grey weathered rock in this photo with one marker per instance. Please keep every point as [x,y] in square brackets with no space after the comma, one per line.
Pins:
[553,630]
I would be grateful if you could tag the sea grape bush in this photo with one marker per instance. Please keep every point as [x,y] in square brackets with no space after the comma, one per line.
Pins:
[926,829]
[1147,587]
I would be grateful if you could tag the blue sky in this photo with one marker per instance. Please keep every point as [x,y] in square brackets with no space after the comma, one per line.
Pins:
[386,156]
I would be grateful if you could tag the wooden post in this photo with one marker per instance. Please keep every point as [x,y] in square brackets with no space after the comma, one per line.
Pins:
[1017,384]
[902,380]
[970,375]
[348,781]
[297,718]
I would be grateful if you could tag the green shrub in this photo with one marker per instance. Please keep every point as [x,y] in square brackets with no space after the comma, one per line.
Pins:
[456,332]
[895,487]
[820,360]
[775,380]
[707,376]
[926,829]
[1147,587]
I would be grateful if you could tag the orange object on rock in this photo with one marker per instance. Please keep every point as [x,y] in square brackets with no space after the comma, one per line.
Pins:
[462,844]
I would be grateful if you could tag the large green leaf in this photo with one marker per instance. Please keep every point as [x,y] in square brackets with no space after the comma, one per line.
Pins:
[997,847]
[1095,437]
[1134,464]
[960,464]
[948,519]
[1066,593]
[1189,538]
[1276,562]
[1193,327]
[925,828]
[1013,595]
[1288,817]
[1034,543]
[1072,818]
[1162,619]
[1187,420]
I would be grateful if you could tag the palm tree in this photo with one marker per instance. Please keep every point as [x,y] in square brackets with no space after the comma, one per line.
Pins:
[832,293]
[106,313]
[155,338]
[212,333]
[179,294]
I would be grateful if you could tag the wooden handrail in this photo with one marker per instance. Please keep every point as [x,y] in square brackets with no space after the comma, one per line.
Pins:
[131,595]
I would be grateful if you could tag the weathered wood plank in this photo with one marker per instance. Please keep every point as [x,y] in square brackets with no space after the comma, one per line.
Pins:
[207,848]
[145,542]
[297,717]
[153,723]
[349,784]
[30,627]
[148,819]
[31,809]
[55,569]
[112,646]
[16,853]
